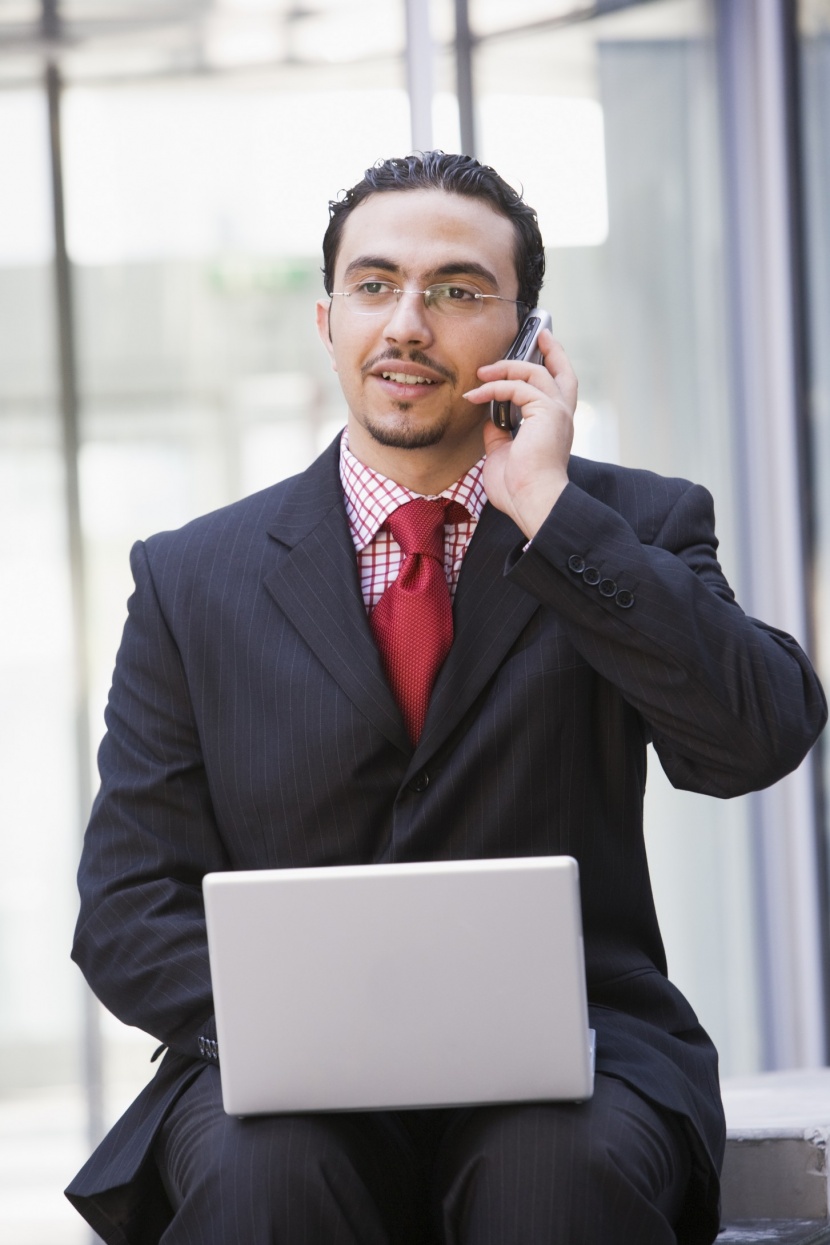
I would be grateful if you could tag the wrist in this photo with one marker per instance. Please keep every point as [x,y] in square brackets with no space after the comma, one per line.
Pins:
[533,504]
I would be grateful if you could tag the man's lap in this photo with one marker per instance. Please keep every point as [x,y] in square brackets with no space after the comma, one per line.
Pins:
[614,1168]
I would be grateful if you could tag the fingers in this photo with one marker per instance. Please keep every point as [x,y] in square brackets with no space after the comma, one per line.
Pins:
[504,390]
[556,366]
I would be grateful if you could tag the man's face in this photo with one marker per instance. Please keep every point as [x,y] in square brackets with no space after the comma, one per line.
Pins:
[403,371]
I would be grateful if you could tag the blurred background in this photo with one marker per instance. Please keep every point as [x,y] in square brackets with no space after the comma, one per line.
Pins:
[165,169]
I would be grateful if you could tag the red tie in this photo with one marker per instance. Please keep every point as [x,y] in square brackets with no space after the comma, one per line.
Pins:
[412,621]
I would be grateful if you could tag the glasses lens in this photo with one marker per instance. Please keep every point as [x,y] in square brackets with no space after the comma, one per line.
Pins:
[449,298]
[371,297]
[453,299]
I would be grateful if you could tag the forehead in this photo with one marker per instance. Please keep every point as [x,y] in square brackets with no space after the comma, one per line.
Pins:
[424,232]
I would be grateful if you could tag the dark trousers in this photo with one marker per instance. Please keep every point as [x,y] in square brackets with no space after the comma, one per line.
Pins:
[612,1171]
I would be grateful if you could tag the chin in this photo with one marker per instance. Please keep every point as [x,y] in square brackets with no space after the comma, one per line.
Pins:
[405,434]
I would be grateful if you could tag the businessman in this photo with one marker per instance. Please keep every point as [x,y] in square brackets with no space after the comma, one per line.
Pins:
[437,642]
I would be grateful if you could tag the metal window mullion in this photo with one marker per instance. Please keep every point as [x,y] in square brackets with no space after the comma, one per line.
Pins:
[92,1053]
[464,77]
[760,228]
[419,72]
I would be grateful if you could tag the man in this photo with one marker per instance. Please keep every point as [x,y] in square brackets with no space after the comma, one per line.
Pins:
[260,717]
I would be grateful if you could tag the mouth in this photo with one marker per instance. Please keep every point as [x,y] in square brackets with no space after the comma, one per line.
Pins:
[407,378]
[407,382]
[410,381]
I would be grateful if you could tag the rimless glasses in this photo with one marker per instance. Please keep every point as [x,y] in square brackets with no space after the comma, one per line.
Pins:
[451,298]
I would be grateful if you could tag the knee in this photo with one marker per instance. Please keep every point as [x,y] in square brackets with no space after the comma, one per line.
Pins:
[557,1165]
[278,1158]
[269,1160]
[286,1179]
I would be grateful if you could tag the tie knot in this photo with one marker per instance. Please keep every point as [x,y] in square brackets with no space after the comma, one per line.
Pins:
[418,526]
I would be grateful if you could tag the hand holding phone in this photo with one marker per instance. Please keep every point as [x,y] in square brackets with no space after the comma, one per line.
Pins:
[507,415]
[524,476]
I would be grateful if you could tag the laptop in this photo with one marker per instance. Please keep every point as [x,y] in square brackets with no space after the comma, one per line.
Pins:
[376,987]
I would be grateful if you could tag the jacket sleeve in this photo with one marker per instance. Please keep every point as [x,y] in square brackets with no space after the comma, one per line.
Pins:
[140,938]
[732,704]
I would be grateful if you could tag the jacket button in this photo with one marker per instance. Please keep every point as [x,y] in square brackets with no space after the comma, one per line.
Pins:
[576,564]
[591,576]
[420,782]
[625,599]
[607,588]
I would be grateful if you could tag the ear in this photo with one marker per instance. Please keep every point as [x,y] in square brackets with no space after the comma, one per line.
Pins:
[324,329]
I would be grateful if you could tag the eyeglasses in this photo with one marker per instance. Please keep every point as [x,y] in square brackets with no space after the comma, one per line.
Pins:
[450,298]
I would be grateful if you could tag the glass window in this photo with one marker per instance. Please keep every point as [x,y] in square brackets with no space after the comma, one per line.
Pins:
[41,1111]
[195,215]
[195,211]
[202,140]
[614,136]
[814,31]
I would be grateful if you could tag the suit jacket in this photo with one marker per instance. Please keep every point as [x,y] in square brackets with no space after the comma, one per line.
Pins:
[250,725]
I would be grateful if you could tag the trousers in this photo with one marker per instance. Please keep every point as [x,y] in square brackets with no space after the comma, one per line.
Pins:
[610,1171]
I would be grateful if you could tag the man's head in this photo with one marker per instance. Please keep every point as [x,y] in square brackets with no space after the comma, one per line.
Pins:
[424,289]
[460,175]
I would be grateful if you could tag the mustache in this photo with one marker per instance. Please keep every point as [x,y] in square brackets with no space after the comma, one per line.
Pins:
[414,356]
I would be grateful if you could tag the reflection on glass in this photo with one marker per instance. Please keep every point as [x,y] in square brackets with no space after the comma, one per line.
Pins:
[216,171]
[195,212]
[814,22]
[41,1126]
[616,129]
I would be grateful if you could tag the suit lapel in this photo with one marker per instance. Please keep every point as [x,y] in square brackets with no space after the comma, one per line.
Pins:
[489,615]
[315,583]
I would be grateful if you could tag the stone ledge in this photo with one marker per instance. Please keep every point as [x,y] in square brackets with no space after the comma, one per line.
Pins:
[778,1127]
[781,1232]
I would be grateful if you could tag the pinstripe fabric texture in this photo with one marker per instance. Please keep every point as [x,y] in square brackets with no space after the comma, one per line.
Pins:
[609,1172]
[250,725]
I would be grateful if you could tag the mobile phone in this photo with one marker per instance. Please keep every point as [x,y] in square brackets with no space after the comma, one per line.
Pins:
[506,414]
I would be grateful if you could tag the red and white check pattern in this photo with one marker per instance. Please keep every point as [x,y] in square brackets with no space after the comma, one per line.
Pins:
[370,499]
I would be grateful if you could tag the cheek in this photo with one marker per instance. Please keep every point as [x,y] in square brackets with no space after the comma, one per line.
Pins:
[349,349]
[491,348]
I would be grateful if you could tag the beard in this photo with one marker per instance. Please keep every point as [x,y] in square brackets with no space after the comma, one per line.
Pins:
[405,434]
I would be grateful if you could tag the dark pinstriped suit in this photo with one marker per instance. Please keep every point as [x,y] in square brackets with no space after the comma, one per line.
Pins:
[250,725]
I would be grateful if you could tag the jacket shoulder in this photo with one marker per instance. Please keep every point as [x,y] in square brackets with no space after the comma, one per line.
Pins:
[293,504]
[643,498]
[608,480]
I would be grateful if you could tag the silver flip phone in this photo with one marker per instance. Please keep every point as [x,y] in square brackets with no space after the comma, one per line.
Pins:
[505,414]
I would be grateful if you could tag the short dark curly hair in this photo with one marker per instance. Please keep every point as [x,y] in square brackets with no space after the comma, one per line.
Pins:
[460,175]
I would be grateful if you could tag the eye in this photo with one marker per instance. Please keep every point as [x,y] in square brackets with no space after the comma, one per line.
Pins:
[372,289]
[455,293]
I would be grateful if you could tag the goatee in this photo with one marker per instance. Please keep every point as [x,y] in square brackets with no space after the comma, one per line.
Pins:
[406,436]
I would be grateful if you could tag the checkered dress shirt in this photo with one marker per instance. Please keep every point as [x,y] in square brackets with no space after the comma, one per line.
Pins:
[370,499]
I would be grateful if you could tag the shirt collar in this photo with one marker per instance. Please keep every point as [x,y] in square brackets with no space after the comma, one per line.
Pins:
[371,497]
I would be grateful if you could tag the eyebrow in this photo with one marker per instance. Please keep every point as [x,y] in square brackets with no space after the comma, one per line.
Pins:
[461,268]
[370,261]
[468,269]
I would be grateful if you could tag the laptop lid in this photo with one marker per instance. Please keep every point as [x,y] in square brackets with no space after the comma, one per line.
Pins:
[362,987]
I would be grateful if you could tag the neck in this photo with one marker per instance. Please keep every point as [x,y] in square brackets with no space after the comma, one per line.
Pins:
[428,470]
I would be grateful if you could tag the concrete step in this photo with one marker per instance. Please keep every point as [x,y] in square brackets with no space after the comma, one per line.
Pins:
[781,1231]
[778,1125]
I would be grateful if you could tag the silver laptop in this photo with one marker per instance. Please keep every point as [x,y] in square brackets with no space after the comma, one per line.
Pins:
[363,987]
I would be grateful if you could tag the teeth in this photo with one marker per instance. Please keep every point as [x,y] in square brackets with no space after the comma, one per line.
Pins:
[403,378]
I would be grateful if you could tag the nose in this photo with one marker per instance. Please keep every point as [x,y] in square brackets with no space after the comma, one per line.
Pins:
[408,322]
